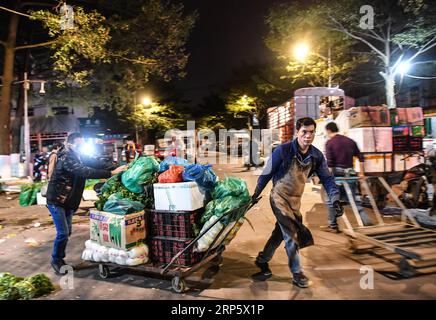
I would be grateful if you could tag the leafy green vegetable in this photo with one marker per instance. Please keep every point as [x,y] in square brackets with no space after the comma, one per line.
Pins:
[34,287]
[114,185]
[90,183]
[7,289]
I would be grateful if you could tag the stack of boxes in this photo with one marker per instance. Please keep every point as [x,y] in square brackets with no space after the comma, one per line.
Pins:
[387,137]
[370,128]
[178,208]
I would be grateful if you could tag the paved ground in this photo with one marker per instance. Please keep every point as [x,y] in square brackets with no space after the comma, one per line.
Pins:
[333,270]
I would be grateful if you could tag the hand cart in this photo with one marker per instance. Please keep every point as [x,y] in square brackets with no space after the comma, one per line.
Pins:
[178,273]
[416,245]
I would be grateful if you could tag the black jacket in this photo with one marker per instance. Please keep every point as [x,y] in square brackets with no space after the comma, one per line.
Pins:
[68,179]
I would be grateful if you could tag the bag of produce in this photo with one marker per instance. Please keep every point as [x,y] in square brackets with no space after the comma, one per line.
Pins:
[140,172]
[203,175]
[122,206]
[26,195]
[172,175]
[206,240]
[231,186]
[168,161]
[138,251]
[222,206]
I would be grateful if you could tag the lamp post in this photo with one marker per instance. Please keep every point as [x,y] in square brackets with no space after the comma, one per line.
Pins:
[26,85]
[146,102]
[302,50]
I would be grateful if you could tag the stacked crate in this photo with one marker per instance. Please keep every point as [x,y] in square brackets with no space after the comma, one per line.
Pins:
[408,129]
[174,223]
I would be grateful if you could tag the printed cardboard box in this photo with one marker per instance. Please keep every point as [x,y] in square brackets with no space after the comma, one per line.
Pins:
[370,116]
[117,231]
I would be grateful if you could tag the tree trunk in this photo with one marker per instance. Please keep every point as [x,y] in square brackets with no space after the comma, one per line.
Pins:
[6,91]
[390,91]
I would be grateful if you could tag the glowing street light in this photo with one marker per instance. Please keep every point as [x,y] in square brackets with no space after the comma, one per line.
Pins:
[301,51]
[403,68]
[146,101]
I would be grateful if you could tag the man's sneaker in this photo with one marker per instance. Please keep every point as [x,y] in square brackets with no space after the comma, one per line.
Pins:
[63,263]
[330,229]
[264,274]
[300,280]
[57,267]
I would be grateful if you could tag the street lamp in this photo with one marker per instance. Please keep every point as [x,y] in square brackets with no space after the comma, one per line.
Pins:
[403,68]
[302,50]
[145,102]
[26,85]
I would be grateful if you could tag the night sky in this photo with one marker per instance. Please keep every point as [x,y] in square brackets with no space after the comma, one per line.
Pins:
[227,33]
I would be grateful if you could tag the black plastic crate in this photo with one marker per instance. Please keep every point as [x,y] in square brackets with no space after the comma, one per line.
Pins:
[164,249]
[175,224]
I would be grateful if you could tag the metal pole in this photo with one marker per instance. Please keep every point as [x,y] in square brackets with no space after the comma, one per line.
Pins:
[329,61]
[28,171]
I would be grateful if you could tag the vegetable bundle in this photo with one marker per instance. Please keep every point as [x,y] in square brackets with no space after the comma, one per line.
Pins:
[13,288]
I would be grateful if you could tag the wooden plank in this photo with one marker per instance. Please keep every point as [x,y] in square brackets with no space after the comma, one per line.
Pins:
[416,237]
[425,251]
[403,252]
[402,234]
[425,263]
[369,228]
[388,229]
[379,217]
[417,242]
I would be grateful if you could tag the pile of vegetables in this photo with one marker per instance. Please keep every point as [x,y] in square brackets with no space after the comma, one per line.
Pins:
[136,179]
[14,288]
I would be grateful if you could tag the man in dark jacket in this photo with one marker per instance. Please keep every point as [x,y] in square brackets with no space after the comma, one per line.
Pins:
[64,192]
[290,165]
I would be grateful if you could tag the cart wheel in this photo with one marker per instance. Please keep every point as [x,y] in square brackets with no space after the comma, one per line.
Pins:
[406,270]
[103,271]
[179,284]
[217,261]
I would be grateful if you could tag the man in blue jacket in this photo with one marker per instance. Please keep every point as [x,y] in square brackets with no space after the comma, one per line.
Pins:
[290,165]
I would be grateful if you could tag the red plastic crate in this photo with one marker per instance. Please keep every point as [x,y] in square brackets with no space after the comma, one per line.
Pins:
[164,249]
[175,224]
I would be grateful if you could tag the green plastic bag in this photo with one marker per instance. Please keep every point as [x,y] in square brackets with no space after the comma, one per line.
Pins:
[230,187]
[140,172]
[122,206]
[25,195]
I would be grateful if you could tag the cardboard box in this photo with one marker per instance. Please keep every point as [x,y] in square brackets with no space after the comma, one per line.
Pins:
[415,116]
[117,231]
[183,196]
[398,116]
[401,164]
[371,116]
[375,163]
[375,139]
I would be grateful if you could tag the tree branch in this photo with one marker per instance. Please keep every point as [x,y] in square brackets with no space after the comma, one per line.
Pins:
[424,48]
[148,62]
[342,29]
[36,45]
